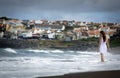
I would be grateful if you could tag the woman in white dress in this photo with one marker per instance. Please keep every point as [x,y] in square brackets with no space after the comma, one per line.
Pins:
[103,45]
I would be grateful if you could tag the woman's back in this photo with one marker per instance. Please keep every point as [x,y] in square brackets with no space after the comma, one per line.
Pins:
[103,46]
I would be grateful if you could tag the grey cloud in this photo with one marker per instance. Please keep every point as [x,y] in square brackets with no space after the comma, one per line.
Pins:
[58,8]
[63,5]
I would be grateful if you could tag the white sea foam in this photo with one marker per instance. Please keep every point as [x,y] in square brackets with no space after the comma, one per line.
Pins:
[10,50]
[27,67]
[57,51]
[38,51]
[45,51]
[86,52]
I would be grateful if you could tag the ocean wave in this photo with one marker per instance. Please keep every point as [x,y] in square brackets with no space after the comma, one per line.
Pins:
[87,53]
[45,51]
[38,51]
[57,51]
[10,50]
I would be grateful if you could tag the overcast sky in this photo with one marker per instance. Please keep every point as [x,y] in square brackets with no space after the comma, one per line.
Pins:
[80,10]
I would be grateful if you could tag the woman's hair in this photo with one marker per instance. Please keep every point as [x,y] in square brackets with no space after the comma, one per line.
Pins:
[103,35]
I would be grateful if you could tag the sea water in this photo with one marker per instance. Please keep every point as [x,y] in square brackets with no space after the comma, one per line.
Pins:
[31,63]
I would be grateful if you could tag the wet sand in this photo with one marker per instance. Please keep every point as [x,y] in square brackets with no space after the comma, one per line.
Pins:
[97,74]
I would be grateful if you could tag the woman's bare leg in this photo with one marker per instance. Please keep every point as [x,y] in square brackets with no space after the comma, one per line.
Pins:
[102,57]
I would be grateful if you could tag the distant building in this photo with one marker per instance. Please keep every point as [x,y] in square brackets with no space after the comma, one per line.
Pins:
[15,25]
[83,24]
[26,23]
[50,27]
[71,23]
[93,33]
[39,22]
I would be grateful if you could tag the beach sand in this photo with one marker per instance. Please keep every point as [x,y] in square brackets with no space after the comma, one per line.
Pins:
[97,74]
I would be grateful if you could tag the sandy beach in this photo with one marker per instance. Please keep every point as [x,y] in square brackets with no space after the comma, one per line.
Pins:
[97,74]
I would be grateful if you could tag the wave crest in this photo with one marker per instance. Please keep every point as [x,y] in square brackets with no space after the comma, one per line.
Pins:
[10,50]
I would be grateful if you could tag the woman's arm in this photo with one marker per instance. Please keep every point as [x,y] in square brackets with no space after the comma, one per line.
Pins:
[100,39]
[108,46]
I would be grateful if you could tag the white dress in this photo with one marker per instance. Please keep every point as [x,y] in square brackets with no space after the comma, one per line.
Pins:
[103,47]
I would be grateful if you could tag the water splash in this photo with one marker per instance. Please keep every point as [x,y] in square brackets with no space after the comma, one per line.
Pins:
[10,50]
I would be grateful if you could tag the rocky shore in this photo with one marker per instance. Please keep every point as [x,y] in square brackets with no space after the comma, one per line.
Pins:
[45,44]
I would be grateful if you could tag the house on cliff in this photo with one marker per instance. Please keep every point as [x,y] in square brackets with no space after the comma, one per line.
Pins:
[15,27]
[48,30]
[93,33]
[50,27]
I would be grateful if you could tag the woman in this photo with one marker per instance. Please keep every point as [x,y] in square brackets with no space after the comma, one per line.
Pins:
[103,44]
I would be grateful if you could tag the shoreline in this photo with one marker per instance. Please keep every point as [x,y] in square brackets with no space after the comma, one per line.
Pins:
[95,74]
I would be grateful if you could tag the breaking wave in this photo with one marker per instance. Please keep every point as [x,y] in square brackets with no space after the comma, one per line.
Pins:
[10,50]
[39,52]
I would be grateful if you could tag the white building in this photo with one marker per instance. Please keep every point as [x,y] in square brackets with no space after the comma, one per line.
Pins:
[38,22]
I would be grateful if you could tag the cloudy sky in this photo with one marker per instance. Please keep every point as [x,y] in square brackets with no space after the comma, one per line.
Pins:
[80,10]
